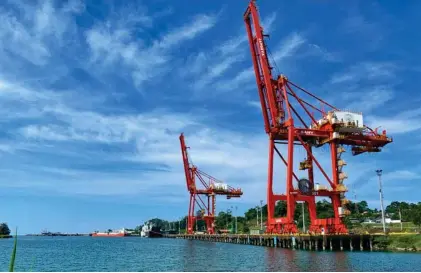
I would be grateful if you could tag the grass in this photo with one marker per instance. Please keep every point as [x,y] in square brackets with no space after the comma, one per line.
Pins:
[12,260]
[403,241]
[411,242]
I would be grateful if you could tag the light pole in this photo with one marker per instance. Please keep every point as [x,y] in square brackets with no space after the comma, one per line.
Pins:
[257,216]
[379,174]
[228,212]
[400,218]
[187,222]
[236,223]
[261,214]
[356,203]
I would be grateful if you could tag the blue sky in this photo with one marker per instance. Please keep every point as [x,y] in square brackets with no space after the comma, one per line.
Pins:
[94,96]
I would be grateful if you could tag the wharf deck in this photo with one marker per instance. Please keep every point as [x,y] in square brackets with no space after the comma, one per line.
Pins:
[358,242]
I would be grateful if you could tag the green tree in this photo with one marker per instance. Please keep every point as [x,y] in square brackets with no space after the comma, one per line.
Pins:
[416,216]
[4,229]
[362,206]
[280,209]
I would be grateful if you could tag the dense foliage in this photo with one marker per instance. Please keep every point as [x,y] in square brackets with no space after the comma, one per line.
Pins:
[4,229]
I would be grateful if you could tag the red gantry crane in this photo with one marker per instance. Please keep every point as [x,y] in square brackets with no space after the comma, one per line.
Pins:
[291,120]
[209,188]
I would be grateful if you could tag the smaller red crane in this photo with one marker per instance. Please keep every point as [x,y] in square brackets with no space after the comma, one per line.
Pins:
[210,187]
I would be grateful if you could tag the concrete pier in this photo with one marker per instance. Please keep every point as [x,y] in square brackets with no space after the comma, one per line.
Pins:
[301,241]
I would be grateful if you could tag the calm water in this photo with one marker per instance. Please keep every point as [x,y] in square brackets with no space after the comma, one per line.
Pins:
[140,254]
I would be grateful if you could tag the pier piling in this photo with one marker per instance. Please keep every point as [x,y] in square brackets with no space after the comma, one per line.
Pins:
[300,241]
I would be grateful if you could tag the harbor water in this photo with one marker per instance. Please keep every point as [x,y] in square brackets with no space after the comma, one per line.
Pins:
[161,254]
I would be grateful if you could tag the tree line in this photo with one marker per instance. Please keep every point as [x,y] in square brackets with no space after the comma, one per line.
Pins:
[359,211]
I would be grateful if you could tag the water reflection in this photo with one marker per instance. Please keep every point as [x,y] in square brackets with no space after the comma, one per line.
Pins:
[278,259]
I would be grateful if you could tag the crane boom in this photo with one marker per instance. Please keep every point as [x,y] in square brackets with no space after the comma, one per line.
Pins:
[269,93]
[187,171]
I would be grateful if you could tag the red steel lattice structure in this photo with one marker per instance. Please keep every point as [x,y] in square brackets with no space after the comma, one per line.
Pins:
[282,109]
[210,187]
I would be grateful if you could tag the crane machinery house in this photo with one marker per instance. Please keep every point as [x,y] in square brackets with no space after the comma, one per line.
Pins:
[346,121]
[220,186]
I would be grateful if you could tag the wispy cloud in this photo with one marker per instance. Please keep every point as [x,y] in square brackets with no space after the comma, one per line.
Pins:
[255,104]
[111,45]
[365,86]
[366,71]
[39,30]
[245,77]
[399,123]
[207,69]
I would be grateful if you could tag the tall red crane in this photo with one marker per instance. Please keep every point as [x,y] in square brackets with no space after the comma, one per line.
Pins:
[209,187]
[296,122]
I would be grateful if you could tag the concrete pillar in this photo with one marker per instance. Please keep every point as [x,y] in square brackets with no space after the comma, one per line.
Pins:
[275,242]
[371,244]
[341,244]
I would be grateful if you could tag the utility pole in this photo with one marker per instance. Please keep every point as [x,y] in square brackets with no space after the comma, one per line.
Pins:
[356,203]
[304,222]
[236,223]
[227,218]
[179,226]
[400,217]
[261,214]
[379,174]
[257,215]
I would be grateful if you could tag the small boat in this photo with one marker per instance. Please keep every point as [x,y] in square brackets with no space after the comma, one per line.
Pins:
[113,233]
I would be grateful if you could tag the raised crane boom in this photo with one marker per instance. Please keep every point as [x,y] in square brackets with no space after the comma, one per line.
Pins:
[210,187]
[270,91]
[282,107]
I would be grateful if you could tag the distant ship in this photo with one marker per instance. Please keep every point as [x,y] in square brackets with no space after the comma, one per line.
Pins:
[150,231]
[114,233]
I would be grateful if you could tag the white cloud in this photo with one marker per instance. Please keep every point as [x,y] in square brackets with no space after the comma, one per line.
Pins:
[255,104]
[119,45]
[403,122]
[366,71]
[245,77]
[207,68]
[35,32]
[367,100]
[288,46]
